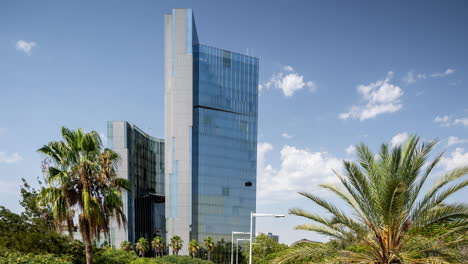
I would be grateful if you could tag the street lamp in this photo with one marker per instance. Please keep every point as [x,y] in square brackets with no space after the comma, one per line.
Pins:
[237,248]
[232,243]
[252,215]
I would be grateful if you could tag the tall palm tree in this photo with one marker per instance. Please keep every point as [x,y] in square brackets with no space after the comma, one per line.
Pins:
[208,243]
[176,244]
[193,247]
[58,165]
[158,245]
[95,190]
[390,212]
[142,246]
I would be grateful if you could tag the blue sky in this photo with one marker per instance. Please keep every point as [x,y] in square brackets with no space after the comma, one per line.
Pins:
[333,74]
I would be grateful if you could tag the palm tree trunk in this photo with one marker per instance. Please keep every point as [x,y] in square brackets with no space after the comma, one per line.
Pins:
[71,227]
[86,234]
[89,252]
[70,223]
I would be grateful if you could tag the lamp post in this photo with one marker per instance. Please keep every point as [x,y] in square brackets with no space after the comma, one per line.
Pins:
[237,248]
[252,215]
[232,243]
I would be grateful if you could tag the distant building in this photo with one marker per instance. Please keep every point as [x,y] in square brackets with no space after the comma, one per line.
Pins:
[270,235]
[142,164]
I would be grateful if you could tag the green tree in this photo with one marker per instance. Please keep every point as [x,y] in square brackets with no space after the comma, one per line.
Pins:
[21,258]
[142,246]
[222,251]
[33,231]
[158,245]
[126,246]
[208,243]
[390,212]
[33,212]
[193,248]
[263,248]
[91,184]
[176,244]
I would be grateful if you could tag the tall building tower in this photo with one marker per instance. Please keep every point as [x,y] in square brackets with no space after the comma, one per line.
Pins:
[211,105]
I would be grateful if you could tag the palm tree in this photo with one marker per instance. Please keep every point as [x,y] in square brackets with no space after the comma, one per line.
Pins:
[142,246]
[126,246]
[208,243]
[193,247]
[158,245]
[60,195]
[176,244]
[390,212]
[95,190]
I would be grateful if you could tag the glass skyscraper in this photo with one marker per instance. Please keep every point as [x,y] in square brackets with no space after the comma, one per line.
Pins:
[142,164]
[211,104]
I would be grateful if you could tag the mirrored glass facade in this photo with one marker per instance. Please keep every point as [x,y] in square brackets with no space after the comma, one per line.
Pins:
[211,104]
[224,141]
[142,164]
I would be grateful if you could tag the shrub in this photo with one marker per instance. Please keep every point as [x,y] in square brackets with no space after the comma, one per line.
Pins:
[171,260]
[183,260]
[114,256]
[21,258]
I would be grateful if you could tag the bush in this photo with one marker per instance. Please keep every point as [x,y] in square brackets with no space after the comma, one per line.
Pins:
[114,256]
[21,258]
[171,260]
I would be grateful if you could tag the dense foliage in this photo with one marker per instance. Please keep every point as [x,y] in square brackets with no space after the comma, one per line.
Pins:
[264,249]
[171,260]
[114,256]
[22,258]
[33,231]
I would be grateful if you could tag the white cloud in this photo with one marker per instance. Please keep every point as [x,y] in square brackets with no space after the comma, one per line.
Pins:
[458,158]
[10,158]
[461,121]
[443,74]
[447,121]
[378,98]
[287,136]
[455,140]
[350,149]
[289,81]
[411,77]
[25,46]
[399,139]
[443,120]
[300,170]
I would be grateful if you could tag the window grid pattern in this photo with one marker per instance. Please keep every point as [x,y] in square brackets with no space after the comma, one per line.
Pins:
[146,215]
[224,141]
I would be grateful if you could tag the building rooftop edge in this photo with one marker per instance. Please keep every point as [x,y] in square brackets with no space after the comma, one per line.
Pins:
[138,129]
[230,51]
